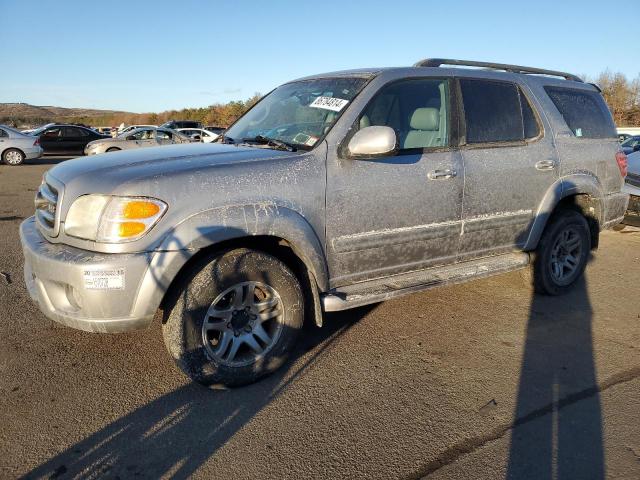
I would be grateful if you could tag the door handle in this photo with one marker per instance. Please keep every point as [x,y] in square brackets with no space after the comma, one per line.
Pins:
[441,174]
[545,165]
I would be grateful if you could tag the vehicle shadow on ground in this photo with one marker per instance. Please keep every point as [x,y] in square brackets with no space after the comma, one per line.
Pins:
[50,159]
[187,426]
[558,428]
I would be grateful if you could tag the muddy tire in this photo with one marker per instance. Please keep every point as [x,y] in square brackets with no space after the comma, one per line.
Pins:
[562,253]
[233,318]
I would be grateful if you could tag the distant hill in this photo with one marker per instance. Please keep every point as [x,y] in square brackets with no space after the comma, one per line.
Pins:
[23,113]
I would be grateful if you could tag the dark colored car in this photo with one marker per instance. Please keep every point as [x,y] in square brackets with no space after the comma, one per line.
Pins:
[631,144]
[60,139]
[175,124]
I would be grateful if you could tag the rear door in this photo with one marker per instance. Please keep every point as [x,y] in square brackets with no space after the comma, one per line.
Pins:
[72,140]
[509,160]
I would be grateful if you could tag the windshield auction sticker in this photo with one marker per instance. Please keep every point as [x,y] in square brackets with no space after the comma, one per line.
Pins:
[104,279]
[329,103]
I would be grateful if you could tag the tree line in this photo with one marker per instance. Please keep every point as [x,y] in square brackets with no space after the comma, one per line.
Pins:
[621,94]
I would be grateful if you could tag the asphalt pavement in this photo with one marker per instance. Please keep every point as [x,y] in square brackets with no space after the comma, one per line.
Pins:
[481,380]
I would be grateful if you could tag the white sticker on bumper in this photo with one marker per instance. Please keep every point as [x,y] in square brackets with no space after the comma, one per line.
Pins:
[104,279]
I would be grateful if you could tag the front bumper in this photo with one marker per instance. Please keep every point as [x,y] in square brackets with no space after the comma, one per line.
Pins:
[91,291]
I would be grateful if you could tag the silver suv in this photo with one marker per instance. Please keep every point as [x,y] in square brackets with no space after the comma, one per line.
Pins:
[334,191]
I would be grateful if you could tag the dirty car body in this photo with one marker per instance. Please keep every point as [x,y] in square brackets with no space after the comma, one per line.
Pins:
[362,220]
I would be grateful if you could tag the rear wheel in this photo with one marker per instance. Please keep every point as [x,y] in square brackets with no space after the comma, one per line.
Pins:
[562,253]
[13,157]
[234,318]
[113,149]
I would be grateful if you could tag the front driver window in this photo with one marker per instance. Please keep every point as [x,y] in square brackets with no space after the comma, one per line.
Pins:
[417,109]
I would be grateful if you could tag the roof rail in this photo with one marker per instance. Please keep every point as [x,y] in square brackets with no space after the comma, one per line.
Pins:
[436,62]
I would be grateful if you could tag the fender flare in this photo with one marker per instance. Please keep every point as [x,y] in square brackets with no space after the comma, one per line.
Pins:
[209,227]
[569,185]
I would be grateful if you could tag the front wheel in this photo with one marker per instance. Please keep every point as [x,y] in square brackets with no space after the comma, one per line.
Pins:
[234,318]
[562,253]
[13,157]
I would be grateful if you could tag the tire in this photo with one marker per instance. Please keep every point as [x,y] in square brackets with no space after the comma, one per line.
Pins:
[13,157]
[562,254]
[231,290]
[113,149]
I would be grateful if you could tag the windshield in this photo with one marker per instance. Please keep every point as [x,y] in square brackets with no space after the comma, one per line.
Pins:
[299,113]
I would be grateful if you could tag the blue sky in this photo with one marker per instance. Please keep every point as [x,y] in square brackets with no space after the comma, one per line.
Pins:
[156,55]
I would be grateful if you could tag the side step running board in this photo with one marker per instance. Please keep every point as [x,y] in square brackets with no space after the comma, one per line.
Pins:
[382,289]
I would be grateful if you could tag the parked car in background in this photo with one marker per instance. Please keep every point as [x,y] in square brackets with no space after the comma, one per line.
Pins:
[138,138]
[623,136]
[175,124]
[333,192]
[64,139]
[632,187]
[16,147]
[103,130]
[199,134]
[631,144]
[131,128]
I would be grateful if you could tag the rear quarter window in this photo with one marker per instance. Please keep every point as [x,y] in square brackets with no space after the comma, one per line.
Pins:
[585,112]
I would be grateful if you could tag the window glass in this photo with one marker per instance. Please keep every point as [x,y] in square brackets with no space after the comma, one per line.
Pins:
[584,111]
[417,109]
[492,111]
[52,132]
[70,132]
[82,132]
[3,133]
[144,134]
[163,135]
[531,127]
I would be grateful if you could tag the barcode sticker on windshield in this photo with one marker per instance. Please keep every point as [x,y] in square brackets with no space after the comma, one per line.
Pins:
[329,103]
[104,279]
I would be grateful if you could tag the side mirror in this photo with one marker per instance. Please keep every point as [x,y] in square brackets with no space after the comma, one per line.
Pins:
[372,142]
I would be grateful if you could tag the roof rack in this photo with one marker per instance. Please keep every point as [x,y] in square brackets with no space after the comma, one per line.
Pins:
[436,62]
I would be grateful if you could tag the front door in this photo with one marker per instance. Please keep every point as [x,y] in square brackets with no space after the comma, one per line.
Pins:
[398,213]
[509,164]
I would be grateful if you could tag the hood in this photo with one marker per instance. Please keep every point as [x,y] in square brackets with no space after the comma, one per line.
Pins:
[106,172]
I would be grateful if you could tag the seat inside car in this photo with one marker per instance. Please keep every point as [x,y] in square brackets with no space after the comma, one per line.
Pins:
[424,129]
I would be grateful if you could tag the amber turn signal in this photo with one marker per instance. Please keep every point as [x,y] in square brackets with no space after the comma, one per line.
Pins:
[131,229]
[139,209]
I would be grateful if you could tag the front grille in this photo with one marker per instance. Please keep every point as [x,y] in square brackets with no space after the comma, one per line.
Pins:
[633,179]
[47,206]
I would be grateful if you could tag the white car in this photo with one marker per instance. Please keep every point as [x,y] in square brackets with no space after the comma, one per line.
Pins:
[632,187]
[199,134]
[16,147]
[134,127]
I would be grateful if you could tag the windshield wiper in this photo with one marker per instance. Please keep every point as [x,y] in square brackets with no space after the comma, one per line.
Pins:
[279,144]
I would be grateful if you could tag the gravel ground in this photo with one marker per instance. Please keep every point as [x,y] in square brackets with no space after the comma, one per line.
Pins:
[482,380]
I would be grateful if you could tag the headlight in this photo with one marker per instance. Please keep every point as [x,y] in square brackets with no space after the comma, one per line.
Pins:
[109,219]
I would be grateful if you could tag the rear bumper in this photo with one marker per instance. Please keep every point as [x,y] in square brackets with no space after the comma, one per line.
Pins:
[33,152]
[615,206]
[88,290]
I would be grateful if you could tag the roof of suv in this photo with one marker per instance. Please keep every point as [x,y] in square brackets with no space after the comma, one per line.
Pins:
[465,68]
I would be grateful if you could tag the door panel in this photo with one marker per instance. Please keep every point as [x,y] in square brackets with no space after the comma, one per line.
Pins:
[504,184]
[386,216]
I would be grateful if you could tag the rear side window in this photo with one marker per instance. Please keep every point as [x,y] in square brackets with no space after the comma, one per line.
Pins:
[3,133]
[584,111]
[496,112]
